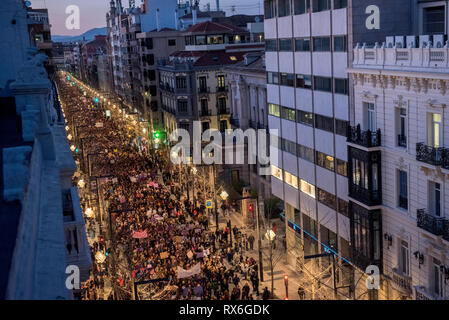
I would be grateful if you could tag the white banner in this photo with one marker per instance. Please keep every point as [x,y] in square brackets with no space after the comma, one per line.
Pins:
[182,273]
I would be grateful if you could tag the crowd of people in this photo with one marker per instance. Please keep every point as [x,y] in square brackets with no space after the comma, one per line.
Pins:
[153,231]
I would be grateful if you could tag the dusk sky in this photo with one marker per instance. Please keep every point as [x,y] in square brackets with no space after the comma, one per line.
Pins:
[93,12]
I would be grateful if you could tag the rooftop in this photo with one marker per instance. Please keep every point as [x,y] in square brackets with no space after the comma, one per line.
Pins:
[210,27]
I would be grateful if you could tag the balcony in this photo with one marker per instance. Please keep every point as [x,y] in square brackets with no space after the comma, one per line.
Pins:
[422,294]
[401,282]
[367,139]
[438,226]
[402,140]
[222,110]
[234,122]
[204,90]
[222,89]
[432,155]
[77,247]
[205,113]
[366,196]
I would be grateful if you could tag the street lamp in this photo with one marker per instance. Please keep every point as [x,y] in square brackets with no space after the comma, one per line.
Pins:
[100,257]
[69,137]
[89,212]
[72,147]
[81,183]
[224,195]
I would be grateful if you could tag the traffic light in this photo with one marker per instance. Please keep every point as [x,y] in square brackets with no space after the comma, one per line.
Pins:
[156,134]
[250,207]
[101,239]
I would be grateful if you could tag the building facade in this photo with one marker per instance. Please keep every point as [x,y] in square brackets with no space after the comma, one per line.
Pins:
[402,93]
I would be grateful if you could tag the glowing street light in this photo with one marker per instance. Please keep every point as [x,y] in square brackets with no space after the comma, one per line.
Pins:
[89,212]
[100,257]
[224,195]
[72,147]
[69,137]
[81,183]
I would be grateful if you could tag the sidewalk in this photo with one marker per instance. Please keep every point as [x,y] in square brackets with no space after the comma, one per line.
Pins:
[281,268]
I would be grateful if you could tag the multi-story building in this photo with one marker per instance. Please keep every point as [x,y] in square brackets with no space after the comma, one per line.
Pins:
[91,54]
[311,101]
[42,228]
[402,93]
[39,29]
[248,103]
[192,82]
[153,46]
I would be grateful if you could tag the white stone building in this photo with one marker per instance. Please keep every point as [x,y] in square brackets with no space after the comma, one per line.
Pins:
[405,94]
[40,212]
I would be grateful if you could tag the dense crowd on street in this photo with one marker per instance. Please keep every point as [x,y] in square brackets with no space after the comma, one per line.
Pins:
[156,232]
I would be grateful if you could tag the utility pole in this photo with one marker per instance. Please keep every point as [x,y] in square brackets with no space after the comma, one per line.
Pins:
[259,240]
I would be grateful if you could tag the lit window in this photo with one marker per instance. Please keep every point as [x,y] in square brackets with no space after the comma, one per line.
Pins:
[233,58]
[291,179]
[308,188]
[276,172]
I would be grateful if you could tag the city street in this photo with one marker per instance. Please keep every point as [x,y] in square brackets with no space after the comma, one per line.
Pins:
[139,228]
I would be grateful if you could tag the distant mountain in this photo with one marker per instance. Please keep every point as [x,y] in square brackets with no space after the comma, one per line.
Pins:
[88,35]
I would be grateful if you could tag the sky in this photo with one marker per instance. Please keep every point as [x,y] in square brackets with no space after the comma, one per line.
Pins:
[93,12]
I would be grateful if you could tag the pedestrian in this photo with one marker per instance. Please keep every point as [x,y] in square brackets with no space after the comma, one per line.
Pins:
[251,242]
[266,294]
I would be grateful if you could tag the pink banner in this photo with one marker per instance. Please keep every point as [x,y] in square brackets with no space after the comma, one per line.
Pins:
[140,234]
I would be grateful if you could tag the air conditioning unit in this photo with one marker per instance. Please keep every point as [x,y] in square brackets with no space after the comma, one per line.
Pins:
[389,42]
[399,41]
[424,41]
[438,41]
[412,41]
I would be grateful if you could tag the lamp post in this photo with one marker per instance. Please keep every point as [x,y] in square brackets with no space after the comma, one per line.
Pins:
[224,195]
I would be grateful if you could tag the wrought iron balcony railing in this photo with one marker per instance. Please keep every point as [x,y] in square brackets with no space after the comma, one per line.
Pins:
[366,139]
[429,154]
[438,226]
[368,197]
[222,89]
[203,90]
[402,140]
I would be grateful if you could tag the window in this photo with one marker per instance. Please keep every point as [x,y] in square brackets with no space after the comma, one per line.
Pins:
[342,167]
[305,153]
[149,43]
[308,188]
[341,127]
[181,82]
[341,86]
[360,173]
[434,130]
[302,44]
[340,44]
[433,20]
[340,4]
[402,122]
[270,9]
[435,198]
[221,105]
[171,42]
[150,59]
[182,106]
[343,207]
[291,179]
[322,84]
[403,193]
[321,44]
[223,127]
[285,44]
[274,110]
[284,8]
[404,265]
[370,116]
[287,79]
[276,172]
[303,81]
[221,81]
[437,281]
[302,6]
[272,78]
[270,45]
[324,123]
[289,146]
[321,5]
[326,198]
[205,125]
[325,161]
[151,75]
[200,40]
[288,114]
[202,83]
[305,117]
